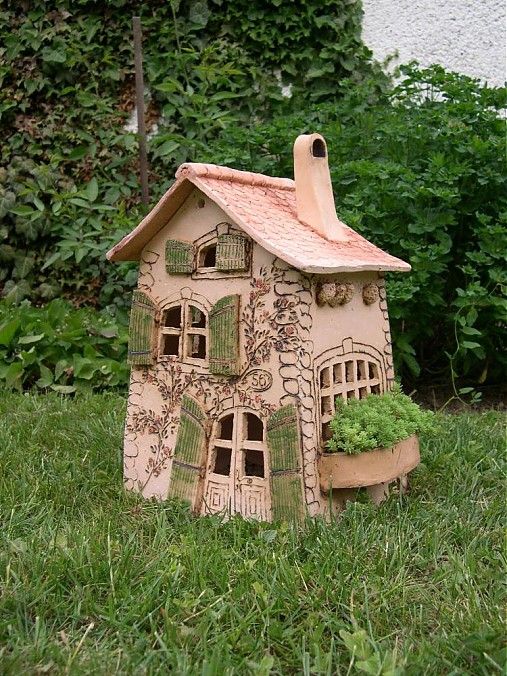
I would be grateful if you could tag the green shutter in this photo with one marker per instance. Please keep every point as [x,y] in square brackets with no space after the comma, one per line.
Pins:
[142,329]
[224,337]
[231,252]
[286,461]
[179,257]
[189,453]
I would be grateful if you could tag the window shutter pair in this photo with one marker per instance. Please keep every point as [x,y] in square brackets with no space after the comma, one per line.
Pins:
[231,255]
[287,497]
[189,454]
[223,333]
[179,257]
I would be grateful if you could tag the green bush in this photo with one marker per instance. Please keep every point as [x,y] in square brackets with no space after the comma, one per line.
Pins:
[60,348]
[68,183]
[378,421]
[419,170]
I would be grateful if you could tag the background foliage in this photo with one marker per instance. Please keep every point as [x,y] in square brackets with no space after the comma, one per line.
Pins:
[416,168]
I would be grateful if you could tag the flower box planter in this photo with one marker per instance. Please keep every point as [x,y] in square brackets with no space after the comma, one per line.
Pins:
[380,466]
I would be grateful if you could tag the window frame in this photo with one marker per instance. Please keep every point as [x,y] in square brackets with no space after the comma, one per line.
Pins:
[239,444]
[184,332]
[346,375]
[211,238]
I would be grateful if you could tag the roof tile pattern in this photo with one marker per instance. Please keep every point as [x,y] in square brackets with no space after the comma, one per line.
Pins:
[265,208]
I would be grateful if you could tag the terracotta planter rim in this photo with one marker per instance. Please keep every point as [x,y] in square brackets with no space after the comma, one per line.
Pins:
[381,465]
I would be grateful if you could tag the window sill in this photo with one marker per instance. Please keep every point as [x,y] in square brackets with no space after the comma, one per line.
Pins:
[214,273]
[164,358]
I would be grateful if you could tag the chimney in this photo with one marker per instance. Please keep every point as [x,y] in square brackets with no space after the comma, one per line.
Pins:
[314,192]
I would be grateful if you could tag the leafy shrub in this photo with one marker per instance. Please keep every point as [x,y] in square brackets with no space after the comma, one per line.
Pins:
[378,421]
[68,183]
[60,348]
[419,170]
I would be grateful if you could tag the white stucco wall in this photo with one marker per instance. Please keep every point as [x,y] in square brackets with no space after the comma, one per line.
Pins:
[467,36]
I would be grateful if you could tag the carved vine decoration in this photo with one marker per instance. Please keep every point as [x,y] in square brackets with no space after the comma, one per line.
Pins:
[264,329]
[172,382]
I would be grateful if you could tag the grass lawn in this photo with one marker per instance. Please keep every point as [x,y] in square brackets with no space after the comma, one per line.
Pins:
[97,581]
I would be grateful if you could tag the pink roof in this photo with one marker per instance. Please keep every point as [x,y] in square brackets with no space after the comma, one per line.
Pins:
[265,208]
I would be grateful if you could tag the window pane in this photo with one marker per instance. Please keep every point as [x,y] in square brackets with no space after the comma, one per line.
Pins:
[208,256]
[254,428]
[326,431]
[337,373]
[225,427]
[372,370]
[172,317]
[326,407]
[196,346]
[222,461]
[197,317]
[170,345]
[349,371]
[324,377]
[254,463]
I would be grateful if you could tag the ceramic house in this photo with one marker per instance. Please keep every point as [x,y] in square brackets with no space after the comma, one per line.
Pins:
[256,308]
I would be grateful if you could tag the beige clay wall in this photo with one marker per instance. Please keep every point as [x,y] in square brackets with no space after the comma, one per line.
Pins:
[268,327]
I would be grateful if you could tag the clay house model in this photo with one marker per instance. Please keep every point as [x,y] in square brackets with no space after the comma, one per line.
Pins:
[256,308]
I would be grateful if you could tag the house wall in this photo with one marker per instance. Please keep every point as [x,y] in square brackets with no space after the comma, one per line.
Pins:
[274,323]
[467,36]
[355,320]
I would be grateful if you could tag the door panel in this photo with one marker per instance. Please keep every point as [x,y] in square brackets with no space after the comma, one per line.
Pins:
[252,500]
[217,497]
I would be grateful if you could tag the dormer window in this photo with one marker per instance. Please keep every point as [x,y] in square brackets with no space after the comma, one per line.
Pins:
[207,257]
[184,332]
[220,254]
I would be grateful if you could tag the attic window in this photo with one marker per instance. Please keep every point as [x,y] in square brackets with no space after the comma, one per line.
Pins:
[208,256]
[318,148]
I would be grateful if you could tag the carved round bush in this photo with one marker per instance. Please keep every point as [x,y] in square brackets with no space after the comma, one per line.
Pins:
[370,294]
[344,294]
[325,293]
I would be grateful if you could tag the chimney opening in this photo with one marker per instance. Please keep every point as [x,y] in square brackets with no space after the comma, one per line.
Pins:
[319,148]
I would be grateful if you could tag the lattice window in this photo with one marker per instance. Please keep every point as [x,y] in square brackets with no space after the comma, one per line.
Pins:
[351,377]
[184,332]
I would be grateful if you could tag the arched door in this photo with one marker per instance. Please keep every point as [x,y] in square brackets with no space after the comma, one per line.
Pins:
[237,478]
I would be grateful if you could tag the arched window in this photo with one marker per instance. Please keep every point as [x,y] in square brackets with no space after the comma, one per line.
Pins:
[351,376]
[184,332]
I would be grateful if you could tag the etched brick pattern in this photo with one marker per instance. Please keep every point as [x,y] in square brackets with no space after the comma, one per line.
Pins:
[296,370]
[388,347]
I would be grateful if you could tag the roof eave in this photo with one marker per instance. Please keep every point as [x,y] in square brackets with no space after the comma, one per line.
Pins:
[358,267]
[131,246]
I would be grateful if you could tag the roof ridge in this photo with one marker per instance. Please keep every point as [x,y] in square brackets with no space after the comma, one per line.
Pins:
[216,171]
